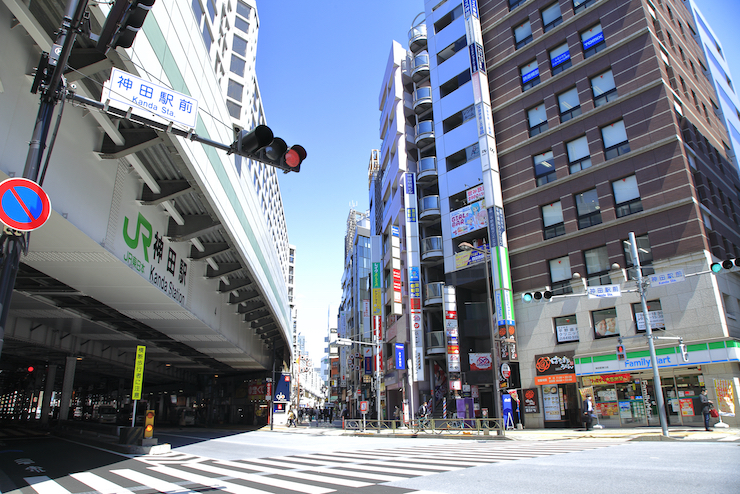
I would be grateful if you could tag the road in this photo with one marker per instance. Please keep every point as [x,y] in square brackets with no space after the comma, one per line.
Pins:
[283,462]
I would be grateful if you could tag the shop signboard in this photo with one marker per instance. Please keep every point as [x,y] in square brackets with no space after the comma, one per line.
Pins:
[551,402]
[687,407]
[725,393]
[555,368]
[607,379]
[480,361]
[468,219]
[531,401]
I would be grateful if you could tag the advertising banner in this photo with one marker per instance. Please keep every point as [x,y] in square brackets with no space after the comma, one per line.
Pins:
[725,392]
[480,361]
[555,368]
[468,219]
[531,401]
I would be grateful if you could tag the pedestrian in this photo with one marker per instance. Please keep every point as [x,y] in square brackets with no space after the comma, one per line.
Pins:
[587,409]
[706,407]
[397,416]
[291,418]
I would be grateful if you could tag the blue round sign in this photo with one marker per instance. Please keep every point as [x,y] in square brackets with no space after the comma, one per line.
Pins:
[24,205]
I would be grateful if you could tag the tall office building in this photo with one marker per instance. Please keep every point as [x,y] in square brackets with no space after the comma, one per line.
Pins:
[559,128]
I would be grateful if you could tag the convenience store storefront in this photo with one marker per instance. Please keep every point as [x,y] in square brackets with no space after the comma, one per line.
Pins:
[624,392]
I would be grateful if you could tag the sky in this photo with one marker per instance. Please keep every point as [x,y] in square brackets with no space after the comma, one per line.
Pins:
[320,71]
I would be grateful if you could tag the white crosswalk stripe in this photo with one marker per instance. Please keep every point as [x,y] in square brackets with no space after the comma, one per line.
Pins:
[317,473]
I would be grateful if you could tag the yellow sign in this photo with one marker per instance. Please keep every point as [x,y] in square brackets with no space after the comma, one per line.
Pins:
[138,373]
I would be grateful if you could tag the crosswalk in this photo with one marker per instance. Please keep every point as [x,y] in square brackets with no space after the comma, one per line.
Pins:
[316,473]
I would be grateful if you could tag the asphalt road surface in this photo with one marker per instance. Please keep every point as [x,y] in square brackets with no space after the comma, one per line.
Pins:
[203,461]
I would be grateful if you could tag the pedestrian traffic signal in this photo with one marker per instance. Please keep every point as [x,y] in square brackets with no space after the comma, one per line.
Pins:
[727,264]
[260,144]
[621,354]
[123,23]
[149,424]
[537,296]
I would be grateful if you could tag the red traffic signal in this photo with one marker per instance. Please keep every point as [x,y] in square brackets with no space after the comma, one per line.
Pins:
[123,23]
[621,354]
[261,145]
[30,368]
[293,157]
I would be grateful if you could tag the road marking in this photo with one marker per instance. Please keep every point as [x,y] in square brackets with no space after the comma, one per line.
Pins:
[290,473]
[101,485]
[153,482]
[44,485]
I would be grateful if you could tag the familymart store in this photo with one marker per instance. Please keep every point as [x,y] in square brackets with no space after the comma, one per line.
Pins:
[625,395]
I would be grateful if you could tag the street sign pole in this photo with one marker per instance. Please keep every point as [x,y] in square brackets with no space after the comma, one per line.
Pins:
[13,243]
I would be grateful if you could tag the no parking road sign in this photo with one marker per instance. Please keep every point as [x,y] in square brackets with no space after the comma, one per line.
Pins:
[24,205]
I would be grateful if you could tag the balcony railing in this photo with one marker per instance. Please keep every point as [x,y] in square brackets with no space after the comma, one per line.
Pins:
[435,342]
[418,37]
[420,67]
[433,293]
[427,169]
[431,248]
[429,207]
[422,99]
[424,133]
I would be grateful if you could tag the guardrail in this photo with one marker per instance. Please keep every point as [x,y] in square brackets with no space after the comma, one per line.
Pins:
[429,426]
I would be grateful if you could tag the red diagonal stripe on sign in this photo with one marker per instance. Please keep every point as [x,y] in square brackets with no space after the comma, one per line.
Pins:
[23,205]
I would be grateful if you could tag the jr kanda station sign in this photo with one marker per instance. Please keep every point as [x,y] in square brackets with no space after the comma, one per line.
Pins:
[555,368]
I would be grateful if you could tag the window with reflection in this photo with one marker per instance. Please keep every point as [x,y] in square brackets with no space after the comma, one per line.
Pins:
[544,168]
[551,17]
[615,140]
[655,316]
[626,196]
[566,328]
[552,217]
[593,41]
[560,275]
[578,154]
[589,212]
[537,118]
[597,266]
[522,34]
[569,104]
[645,254]
[530,75]
[560,59]
[604,88]
[605,323]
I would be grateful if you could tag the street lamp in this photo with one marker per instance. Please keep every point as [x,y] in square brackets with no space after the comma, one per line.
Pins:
[494,353]
[376,345]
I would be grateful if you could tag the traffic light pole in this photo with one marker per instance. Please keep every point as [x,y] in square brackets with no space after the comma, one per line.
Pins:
[12,242]
[642,288]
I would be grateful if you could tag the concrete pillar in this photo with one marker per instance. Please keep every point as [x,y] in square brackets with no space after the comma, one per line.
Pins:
[67,387]
[51,374]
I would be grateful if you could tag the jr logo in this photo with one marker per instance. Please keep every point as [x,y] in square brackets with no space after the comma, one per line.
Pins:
[146,239]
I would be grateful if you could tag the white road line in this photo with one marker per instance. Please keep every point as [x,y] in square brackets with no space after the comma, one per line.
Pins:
[153,482]
[292,474]
[44,485]
[101,485]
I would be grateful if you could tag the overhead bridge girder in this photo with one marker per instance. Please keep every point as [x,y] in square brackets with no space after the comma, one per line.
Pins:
[235,285]
[249,307]
[243,297]
[136,140]
[195,225]
[211,249]
[85,62]
[170,189]
[224,269]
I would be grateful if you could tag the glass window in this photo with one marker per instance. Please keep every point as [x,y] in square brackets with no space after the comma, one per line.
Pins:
[243,9]
[589,212]
[454,83]
[645,253]
[655,316]
[615,140]
[552,217]
[237,65]
[207,38]
[240,46]
[235,90]
[560,269]
[580,5]
[604,88]
[537,119]
[544,168]
[597,266]
[569,104]
[560,59]
[241,24]
[579,157]
[197,10]
[530,75]
[593,41]
[515,3]
[234,109]
[605,323]
[447,19]
[566,329]
[626,196]
[523,34]
[463,156]
[450,50]
[458,119]
[551,16]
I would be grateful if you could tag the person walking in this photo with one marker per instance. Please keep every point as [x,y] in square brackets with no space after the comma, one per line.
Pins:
[291,418]
[587,409]
[706,407]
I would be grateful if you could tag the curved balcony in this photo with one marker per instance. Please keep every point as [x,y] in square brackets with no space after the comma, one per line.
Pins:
[431,248]
[435,342]
[422,100]
[424,133]
[427,169]
[429,208]
[420,67]
[433,293]
[418,37]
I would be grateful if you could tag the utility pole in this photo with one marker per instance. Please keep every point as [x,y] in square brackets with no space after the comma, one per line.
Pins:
[642,288]
[12,242]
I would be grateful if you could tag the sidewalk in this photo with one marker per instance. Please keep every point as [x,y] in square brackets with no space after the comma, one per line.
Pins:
[655,433]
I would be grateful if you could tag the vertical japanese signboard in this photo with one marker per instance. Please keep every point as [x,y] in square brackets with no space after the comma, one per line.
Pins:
[414,275]
[138,373]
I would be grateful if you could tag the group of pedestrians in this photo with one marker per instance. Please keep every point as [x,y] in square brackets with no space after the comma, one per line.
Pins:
[318,414]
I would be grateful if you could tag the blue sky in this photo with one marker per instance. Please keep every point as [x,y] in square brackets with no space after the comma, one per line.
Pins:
[320,71]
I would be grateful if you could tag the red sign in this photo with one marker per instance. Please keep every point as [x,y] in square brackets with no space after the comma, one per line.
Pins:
[363,407]
[505,370]
[24,206]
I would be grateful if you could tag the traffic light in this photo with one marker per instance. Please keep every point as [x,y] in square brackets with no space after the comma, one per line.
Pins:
[537,296]
[621,354]
[260,144]
[123,23]
[727,264]
[149,424]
